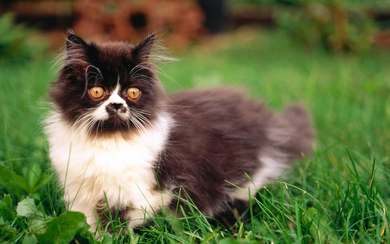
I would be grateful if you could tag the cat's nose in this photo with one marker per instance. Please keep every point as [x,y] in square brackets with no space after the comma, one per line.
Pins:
[113,108]
[116,106]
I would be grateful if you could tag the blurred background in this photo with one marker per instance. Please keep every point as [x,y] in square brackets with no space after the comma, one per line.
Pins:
[338,25]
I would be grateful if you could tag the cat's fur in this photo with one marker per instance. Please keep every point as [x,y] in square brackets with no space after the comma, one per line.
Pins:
[135,156]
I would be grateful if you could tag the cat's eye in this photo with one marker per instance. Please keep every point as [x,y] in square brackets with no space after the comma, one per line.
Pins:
[96,92]
[133,93]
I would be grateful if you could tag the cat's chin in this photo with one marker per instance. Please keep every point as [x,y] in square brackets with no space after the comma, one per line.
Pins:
[109,127]
[112,127]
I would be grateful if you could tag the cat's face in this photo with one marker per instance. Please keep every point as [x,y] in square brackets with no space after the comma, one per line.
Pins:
[107,88]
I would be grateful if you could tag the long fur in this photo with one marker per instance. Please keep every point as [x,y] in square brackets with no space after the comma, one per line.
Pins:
[133,157]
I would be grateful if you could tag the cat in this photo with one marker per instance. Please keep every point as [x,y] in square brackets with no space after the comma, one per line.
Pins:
[123,146]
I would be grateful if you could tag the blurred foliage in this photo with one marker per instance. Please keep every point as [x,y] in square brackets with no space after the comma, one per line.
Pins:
[332,24]
[368,3]
[10,2]
[337,25]
[16,41]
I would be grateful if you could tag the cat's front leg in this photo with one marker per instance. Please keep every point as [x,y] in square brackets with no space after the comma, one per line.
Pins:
[131,211]
[152,203]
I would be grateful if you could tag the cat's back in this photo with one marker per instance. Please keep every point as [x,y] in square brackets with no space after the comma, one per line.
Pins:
[220,120]
[229,112]
[216,106]
[217,97]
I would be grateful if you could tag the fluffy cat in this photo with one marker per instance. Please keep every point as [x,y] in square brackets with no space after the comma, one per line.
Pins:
[121,145]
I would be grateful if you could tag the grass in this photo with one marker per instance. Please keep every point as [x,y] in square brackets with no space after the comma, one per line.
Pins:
[339,194]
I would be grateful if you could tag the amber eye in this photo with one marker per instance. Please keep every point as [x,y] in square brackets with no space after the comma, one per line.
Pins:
[96,92]
[133,93]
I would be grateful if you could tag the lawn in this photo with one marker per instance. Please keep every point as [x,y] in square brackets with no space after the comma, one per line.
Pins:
[340,193]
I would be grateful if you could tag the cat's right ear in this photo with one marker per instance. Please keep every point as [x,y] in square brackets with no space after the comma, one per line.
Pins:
[142,50]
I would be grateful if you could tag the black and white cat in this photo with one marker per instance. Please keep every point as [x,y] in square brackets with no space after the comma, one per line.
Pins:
[117,139]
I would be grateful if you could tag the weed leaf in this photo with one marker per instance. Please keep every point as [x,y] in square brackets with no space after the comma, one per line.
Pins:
[27,208]
[12,180]
[63,228]
[33,174]
[30,239]
[6,208]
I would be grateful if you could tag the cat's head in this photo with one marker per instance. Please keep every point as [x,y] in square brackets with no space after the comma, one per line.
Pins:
[105,88]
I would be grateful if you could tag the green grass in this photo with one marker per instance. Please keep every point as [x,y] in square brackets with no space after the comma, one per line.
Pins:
[339,194]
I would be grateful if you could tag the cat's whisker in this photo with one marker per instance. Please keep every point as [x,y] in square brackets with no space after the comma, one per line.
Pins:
[170,78]
[139,127]
[136,124]
[82,118]
[135,75]
[141,77]
[140,111]
[134,70]
[128,123]
[139,124]
[144,121]
[80,123]
[99,123]
[137,114]
[83,127]
[89,128]
[84,124]
[91,125]
[90,74]
[143,66]
[98,73]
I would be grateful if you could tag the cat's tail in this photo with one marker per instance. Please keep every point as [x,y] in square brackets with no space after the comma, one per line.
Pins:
[291,133]
[289,138]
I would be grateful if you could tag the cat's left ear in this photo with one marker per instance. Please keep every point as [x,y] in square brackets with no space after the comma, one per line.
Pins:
[142,50]
[76,48]
[75,42]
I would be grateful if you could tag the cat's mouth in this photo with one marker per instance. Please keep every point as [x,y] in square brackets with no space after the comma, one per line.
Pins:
[114,122]
[116,117]
[117,120]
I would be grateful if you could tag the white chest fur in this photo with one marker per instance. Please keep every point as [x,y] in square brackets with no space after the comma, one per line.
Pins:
[117,169]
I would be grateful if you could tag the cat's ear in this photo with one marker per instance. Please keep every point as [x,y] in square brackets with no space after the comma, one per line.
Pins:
[142,50]
[76,48]
[74,42]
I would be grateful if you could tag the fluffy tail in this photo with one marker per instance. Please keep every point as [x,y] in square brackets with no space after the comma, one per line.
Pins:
[291,133]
